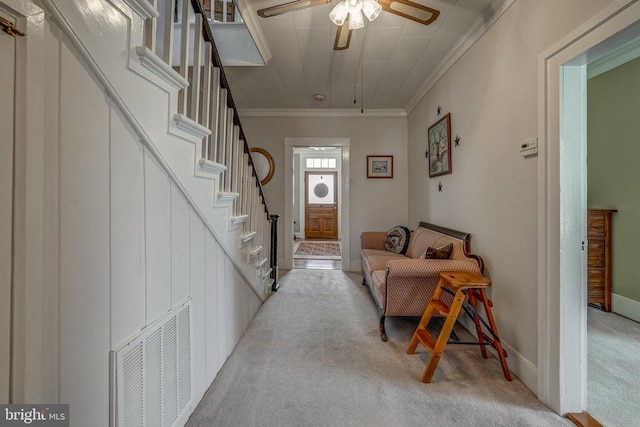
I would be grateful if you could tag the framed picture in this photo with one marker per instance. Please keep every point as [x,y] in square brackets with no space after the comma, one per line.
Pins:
[379,166]
[439,146]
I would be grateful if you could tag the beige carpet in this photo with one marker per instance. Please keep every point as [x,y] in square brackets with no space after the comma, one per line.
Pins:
[312,356]
[613,378]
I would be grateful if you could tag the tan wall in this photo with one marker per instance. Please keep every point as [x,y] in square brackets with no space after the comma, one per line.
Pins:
[492,94]
[376,204]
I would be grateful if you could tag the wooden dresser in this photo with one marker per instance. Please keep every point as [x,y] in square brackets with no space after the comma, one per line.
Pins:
[599,257]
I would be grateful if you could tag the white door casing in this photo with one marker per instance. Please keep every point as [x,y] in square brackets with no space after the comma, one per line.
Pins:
[561,124]
[7,88]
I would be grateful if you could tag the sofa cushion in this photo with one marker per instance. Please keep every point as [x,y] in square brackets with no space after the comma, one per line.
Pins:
[422,238]
[375,259]
[443,252]
[397,240]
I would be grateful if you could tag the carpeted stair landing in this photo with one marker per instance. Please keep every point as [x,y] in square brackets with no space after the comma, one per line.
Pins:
[312,356]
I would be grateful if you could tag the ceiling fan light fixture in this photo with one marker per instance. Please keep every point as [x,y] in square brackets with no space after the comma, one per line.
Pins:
[339,13]
[356,20]
[371,9]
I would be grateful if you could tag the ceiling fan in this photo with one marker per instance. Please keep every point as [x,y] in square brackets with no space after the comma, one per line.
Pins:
[348,14]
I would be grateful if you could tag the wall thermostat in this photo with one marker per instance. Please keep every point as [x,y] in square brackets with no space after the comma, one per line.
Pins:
[529,148]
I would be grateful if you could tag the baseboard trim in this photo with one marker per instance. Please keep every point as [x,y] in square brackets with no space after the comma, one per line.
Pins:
[520,366]
[356,266]
[625,307]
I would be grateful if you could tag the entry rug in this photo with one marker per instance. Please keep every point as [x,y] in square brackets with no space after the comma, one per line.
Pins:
[318,250]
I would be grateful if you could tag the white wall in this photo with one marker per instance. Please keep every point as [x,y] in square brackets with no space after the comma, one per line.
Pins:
[123,245]
[492,95]
[376,204]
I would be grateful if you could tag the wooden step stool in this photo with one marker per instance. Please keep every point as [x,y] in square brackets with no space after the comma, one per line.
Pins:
[464,285]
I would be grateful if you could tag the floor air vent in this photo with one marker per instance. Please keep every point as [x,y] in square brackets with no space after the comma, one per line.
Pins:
[152,374]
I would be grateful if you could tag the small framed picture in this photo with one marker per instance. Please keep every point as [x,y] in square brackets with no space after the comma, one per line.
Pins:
[439,146]
[379,166]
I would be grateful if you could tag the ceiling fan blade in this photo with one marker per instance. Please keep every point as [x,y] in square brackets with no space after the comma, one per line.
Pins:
[343,37]
[410,10]
[289,7]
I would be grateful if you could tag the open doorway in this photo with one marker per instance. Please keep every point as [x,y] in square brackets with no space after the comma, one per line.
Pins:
[613,331]
[562,302]
[319,151]
[316,206]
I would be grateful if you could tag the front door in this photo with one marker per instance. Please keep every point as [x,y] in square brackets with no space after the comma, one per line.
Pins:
[321,205]
[7,89]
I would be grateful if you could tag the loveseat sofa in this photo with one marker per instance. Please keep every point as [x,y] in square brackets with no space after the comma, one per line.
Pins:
[402,284]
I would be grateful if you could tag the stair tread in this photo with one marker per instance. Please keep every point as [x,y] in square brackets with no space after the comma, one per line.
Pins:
[426,339]
[441,307]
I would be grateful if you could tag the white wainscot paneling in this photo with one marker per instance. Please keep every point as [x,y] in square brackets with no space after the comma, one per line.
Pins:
[84,244]
[179,247]
[233,295]
[197,292]
[127,233]
[212,252]
[224,308]
[158,237]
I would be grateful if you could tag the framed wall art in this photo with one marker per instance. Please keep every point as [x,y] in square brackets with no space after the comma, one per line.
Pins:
[439,146]
[379,166]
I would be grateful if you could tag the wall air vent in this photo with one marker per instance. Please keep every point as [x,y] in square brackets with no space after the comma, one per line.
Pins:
[151,374]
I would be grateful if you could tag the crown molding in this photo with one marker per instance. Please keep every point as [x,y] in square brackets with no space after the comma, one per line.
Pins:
[318,112]
[475,32]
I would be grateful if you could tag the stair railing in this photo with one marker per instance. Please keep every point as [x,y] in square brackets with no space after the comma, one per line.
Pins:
[182,37]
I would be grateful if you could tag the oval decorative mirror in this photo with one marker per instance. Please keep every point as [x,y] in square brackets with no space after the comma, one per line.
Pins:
[263,162]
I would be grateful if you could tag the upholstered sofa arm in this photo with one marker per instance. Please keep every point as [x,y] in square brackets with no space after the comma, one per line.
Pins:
[373,240]
[405,268]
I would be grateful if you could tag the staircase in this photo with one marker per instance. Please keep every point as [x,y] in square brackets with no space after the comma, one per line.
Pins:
[168,44]
[159,206]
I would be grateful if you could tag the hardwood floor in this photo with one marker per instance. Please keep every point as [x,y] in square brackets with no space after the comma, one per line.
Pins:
[583,420]
[317,264]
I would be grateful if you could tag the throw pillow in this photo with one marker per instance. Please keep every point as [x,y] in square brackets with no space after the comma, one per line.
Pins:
[443,252]
[397,240]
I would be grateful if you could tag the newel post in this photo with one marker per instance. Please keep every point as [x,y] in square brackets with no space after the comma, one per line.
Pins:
[274,251]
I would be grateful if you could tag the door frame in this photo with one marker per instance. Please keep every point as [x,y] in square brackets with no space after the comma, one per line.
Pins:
[343,196]
[562,301]
[7,148]
[306,197]
[35,341]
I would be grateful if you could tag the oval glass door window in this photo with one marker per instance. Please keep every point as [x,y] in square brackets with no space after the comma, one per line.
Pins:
[263,162]
[321,190]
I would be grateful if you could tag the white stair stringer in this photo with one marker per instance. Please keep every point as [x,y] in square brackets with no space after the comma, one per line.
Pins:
[253,254]
[246,238]
[237,220]
[267,274]
[147,98]
[226,198]
[158,70]
[184,127]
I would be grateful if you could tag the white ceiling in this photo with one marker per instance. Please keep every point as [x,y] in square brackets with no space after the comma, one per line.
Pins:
[397,56]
